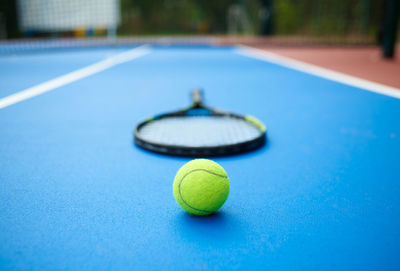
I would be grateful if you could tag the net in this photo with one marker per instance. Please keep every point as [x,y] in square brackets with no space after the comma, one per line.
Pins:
[114,22]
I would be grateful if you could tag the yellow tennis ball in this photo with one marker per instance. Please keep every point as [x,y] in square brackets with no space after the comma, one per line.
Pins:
[201,187]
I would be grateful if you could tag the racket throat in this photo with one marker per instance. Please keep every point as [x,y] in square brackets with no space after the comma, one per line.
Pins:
[197,98]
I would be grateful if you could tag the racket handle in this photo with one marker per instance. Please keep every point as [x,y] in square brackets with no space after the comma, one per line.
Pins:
[197,97]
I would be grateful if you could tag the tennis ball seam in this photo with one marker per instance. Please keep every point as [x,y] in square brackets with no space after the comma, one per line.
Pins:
[180,182]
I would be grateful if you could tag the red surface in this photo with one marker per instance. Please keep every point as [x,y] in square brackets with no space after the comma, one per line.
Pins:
[364,62]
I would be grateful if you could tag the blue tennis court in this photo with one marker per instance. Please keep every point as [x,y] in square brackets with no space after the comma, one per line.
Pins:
[77,194]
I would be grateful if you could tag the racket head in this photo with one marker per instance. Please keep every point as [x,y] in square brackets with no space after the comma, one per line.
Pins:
[200,131]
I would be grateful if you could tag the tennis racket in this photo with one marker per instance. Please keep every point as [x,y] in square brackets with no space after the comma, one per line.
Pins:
[200,131]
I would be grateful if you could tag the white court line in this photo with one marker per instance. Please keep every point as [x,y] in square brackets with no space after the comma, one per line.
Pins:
[318,71]
[74,76]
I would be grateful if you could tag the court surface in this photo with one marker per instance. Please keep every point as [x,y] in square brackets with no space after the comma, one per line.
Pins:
[77,194]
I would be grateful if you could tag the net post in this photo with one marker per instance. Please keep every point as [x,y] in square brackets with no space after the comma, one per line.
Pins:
[390,28]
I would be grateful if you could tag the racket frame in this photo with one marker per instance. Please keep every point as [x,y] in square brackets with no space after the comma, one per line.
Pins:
[212,151]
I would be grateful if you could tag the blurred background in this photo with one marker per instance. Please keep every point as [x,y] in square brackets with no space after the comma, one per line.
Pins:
[298,22]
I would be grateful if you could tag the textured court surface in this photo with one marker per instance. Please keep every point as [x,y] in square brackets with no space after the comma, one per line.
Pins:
[75,193]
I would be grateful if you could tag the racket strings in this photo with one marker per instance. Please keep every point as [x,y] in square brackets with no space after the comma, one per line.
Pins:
[199,131]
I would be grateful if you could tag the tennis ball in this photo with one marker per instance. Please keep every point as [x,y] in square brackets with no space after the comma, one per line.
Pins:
[201,187]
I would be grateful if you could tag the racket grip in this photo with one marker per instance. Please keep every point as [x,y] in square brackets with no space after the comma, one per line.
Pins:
[197,97]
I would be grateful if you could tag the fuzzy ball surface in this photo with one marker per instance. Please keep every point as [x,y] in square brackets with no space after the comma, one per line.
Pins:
[201,187]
